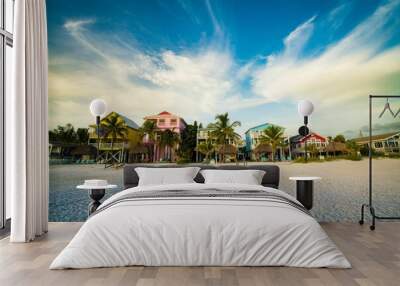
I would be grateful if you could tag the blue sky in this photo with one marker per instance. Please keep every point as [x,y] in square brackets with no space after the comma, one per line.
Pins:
[254,59]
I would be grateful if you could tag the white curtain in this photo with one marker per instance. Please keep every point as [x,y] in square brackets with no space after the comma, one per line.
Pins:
[28,123]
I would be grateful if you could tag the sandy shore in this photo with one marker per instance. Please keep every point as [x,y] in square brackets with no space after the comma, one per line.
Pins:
[344,187]
[337,197]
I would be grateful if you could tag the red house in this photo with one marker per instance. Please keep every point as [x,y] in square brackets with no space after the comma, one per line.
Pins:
[297,143]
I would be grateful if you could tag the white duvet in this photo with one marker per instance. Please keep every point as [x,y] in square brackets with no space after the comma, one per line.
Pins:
[212,231]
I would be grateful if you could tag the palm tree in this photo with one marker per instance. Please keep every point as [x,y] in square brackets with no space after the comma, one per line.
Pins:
[353,147]
[82,135]
[206,148]
[224,130]
[114,127]
[149,128]
[65,134]
[273,135]
[169,139]
[339,138]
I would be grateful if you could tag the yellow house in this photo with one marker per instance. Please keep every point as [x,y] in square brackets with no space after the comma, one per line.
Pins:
[114,150]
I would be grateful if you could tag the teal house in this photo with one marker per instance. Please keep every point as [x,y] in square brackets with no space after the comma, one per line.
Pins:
[252,138]
[253,135]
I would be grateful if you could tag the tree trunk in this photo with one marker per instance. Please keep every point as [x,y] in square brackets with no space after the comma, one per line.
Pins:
[273,154]
[172,154]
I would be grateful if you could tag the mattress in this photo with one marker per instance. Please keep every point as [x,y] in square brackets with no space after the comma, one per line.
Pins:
[201,225]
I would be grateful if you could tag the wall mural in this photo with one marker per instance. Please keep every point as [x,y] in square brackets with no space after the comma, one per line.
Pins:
[219,82]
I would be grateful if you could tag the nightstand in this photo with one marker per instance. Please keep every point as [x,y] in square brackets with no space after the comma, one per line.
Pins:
[96,193]
[304,190]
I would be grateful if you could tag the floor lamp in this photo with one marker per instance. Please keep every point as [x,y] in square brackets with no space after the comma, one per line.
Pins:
[305,108]
[98,108]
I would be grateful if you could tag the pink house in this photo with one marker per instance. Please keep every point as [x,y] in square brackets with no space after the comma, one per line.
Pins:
[166,120]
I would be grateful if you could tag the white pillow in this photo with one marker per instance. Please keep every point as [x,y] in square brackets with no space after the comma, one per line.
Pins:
[248,177]
[166,176]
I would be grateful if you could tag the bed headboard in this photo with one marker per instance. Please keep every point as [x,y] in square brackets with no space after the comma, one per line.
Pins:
[270,179]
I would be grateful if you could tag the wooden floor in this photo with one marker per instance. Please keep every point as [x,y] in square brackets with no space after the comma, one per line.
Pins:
[375,257]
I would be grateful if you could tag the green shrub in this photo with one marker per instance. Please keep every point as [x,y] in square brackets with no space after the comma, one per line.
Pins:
[334,158]
[364,150]
[182,161]
[377,154]
[309,160]
[394,155]
[353,157]
[328,159]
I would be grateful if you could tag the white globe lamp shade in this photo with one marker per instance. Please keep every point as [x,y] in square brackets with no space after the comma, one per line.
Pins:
[98,107]
[305,107]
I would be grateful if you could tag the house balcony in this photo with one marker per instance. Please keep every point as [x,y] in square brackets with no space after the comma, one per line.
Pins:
[104,146]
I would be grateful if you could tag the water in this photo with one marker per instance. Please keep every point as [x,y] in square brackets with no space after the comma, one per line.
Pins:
[66,202]
[337,197]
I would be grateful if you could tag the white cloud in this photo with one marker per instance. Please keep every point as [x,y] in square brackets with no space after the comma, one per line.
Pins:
[197,84]
[187,7]
[339,78]
[77,25]
[295,41]
[337,16]
[216,24]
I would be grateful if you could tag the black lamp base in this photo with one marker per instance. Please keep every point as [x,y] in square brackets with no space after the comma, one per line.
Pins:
[96,196]
[304,193]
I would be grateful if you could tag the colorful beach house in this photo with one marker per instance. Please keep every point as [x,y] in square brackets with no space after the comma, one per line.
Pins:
[315,143]
[231,149]
[203,136]
[255,150]
[387,143]
[114,150]
[165,121]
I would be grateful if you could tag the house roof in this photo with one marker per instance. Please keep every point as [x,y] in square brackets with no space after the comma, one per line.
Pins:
[259,127]
[300,138]
[129,122]
[336,147]
[295,138]
[161,114]
[313,134]
[375,137]
[164,114]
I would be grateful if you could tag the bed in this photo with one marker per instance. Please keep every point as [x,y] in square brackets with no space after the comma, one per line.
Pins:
[198,224]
